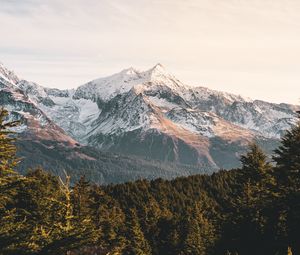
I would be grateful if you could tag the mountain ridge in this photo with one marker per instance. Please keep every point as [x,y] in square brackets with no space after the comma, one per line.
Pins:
[130,111]
[42,143]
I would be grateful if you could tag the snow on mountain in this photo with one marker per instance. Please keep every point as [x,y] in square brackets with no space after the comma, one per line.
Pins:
[106,88]
[35,124]
[152,114]
[7,76]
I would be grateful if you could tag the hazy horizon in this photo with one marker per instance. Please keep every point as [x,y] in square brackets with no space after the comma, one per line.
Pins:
[237,46]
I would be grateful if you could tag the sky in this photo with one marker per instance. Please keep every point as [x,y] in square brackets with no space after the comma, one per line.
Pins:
[247,47]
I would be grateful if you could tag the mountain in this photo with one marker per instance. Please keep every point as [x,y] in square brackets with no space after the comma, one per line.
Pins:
[153,115]
[41,142]
[34,121]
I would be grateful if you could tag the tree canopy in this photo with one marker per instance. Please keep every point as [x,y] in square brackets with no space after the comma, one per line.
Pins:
[246,211]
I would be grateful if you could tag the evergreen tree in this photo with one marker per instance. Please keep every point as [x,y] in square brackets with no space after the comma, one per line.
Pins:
[168,239]
[136,242]
[255,162]
[200,233]
[287,158]
[257,192]
[81,198]
[11,228]
[69,232]
[44,218]
[8,159]
[107,217]
[41,215]
[259,185]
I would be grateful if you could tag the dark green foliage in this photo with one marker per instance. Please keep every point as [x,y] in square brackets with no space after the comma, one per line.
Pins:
[199,232]
[101,167]
[255,161]
[8,159]
[136,243]
[246,211]
[287,170]
[287,158]
[44,216]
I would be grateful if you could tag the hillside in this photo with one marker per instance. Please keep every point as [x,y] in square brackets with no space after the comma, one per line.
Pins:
[43,143]
[153,115]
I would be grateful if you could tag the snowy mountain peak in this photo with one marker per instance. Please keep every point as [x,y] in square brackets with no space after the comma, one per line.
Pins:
[129,71]
[8,75]
[159,68]
[119,83]
[148,113]
[158,75]
[158,71]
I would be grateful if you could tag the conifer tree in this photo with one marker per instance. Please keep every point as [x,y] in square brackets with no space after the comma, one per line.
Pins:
[200,235]
[8,159]
[255,162]
[287,158]
[60,230]
[136,242]
[260,182]
[108,217]
[257,191]
[81,198]
[10,227]
[168,239]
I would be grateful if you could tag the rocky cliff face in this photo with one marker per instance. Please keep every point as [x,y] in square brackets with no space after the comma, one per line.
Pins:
[41,142]
[154,115]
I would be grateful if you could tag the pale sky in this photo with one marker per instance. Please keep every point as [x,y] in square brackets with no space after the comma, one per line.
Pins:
[248,47]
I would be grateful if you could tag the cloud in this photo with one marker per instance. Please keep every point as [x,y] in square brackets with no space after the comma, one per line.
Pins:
[226,43]
[16,7]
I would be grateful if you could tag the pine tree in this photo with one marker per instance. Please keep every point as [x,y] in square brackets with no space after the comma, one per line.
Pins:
[136,242]
[257,192]
[109,218]
[287,158]
[11,228]
[255,162]
[45,207]
[259,172]
[81,198]
[8,159]
[200,234]
[168,239]
[70,232]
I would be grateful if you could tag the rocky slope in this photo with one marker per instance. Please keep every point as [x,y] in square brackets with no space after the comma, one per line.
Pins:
[154,115]
[41,142]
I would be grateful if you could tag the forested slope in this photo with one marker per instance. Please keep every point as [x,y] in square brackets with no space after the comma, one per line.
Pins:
[251,210]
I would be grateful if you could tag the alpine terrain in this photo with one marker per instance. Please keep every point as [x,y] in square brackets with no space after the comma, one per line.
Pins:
[144,116]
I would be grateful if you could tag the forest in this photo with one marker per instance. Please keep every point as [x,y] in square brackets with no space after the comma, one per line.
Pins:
[246,211]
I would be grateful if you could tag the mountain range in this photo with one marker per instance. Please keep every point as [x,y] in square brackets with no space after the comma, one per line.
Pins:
[143,120]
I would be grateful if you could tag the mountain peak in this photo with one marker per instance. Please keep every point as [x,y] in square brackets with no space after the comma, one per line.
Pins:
[159,67]
[119,83]
[129,71]
[8,75]
[160,76]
